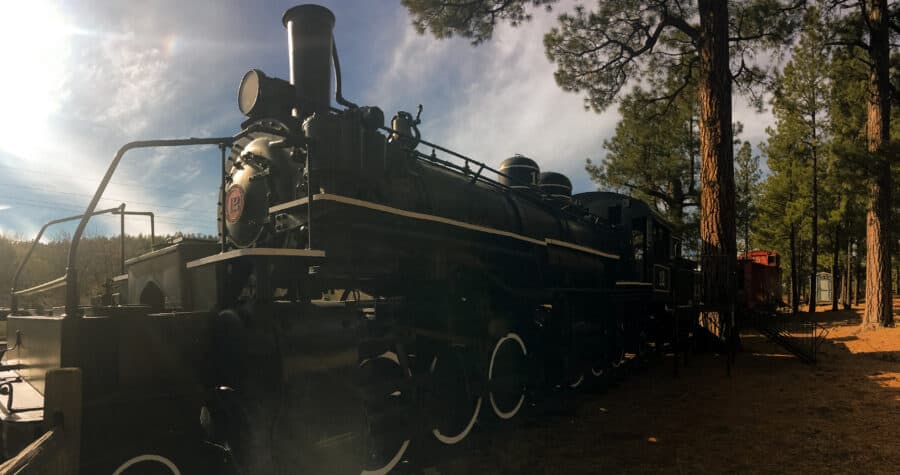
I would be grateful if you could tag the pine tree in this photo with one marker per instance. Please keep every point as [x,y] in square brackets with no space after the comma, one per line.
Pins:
[865,27]
[844,181]
[598,52]
[784,203]
[747,176]
[800,107]
[657,164]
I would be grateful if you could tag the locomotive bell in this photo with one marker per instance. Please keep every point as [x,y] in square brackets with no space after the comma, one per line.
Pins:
[262,175]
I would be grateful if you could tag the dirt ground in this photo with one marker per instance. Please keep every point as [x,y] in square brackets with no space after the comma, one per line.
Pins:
[774,414]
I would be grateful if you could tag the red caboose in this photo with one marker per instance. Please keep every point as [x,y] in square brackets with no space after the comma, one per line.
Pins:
[759,279]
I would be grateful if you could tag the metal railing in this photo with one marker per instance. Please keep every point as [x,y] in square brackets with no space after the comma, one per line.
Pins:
[798,334]
[70,278]
[152,227]
[61,281]
[477,175]
[72,296]
[57,282]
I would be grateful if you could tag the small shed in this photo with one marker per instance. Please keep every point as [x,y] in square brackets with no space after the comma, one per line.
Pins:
[824,287]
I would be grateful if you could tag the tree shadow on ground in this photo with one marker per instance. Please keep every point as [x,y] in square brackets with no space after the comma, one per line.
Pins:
[774,414]
[846,333]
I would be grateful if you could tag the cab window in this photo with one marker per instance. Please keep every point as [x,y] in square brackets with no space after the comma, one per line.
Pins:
[639,246]
[661,243]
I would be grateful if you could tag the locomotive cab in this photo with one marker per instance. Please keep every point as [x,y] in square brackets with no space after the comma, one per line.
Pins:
[645,238]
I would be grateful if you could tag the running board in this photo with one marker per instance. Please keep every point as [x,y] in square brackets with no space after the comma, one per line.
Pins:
[256,252]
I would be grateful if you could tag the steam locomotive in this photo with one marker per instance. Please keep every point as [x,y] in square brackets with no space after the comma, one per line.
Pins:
[463,293]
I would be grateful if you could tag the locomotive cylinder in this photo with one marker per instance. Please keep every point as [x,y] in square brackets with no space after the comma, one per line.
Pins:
[310,43]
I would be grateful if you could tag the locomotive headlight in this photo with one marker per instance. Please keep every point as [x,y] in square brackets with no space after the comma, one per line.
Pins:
[262,96]
[248,92]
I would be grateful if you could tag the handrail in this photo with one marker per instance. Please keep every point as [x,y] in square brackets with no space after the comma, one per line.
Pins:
[152,229]
[482,166]
[72,297]
[49,285]
[478,175]
[13,292]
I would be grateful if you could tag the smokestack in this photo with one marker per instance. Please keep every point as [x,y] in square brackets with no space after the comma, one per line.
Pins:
[310,42]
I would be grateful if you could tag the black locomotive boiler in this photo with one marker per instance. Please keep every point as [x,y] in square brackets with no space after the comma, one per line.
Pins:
[463,293]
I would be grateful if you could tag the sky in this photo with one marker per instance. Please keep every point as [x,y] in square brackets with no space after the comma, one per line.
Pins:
[83,77]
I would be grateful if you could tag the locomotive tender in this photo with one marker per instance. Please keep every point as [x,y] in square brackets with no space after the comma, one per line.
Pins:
[486,289]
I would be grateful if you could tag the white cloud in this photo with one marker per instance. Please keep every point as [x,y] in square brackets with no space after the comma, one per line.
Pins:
[140,83]
[500,98]
[495,100]
[754,122]
[121,83]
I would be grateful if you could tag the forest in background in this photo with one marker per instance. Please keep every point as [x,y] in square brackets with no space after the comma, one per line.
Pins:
[814,153]
[99,258]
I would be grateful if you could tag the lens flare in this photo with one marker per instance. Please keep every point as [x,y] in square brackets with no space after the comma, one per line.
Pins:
[170,45]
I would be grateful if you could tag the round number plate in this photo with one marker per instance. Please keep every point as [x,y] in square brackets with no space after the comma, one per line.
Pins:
[234,204]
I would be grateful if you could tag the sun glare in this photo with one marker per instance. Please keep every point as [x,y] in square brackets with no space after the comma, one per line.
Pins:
[35,55]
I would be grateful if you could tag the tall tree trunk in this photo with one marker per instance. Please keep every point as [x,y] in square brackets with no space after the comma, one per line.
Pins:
[813,296]
[848,269]
[878,310]
[747,221]
[717,225]
[835,271]
[676,206]
[691,184]
[857,263]
[747,238]
[795,278]
[802,279]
